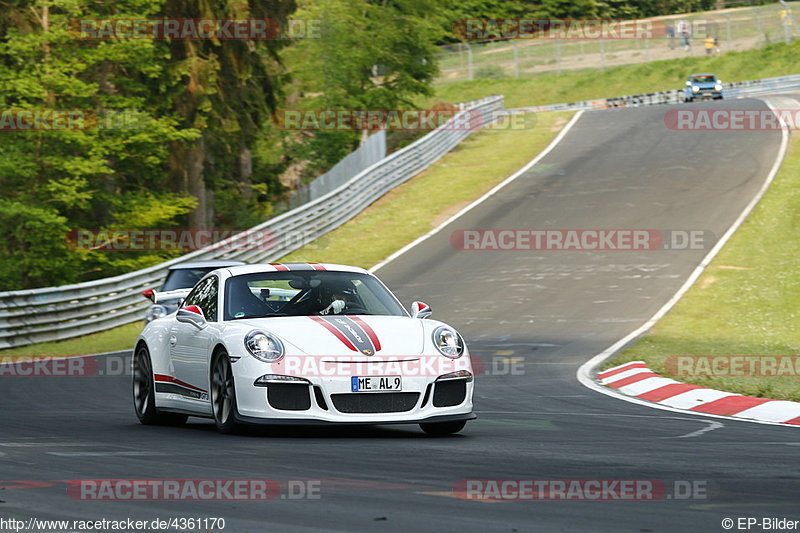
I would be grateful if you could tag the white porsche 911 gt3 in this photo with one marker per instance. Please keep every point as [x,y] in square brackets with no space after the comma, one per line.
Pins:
[301,343]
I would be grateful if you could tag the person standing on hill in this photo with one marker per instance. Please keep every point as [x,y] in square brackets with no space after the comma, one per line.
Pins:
[671,36]
[683,31]
[709,44]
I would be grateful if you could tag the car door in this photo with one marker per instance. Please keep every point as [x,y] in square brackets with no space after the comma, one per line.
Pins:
[189,345]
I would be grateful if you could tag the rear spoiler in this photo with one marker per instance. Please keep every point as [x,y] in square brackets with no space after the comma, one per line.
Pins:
[165,296]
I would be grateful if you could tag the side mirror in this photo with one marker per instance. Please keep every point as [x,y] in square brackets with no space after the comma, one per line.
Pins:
[176,296]
[420,310]
[191,314]
[688,84]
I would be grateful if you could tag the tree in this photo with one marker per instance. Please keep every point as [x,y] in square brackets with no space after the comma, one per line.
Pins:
[112,155]
[227,89]
[32,251]
[366,55]
[163,125]
[370,55]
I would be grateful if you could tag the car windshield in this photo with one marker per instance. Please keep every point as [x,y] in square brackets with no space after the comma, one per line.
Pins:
[704,79]
[300,293]
[185,278]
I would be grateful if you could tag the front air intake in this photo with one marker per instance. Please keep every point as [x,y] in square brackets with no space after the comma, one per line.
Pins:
[375,402]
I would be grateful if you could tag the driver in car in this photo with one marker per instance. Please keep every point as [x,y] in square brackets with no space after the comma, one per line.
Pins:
[337,297]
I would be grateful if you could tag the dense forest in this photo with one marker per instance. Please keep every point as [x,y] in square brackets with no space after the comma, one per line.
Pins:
[181,133]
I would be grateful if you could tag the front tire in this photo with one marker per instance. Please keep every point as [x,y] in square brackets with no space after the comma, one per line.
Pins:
[442,429]
[144,397]
[223,394]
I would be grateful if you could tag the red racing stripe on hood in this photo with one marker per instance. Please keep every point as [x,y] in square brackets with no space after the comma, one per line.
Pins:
[338,334]
[368,329]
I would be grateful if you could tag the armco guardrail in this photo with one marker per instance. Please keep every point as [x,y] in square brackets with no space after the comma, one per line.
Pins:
[55,313]
[732,90]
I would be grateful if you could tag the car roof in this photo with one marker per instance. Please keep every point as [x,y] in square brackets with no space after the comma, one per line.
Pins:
[206,264]
[277,267]
[703,74]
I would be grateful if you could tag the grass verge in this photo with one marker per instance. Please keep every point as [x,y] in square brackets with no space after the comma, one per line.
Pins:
[549,88]
[412,209]
[112,340]
[745,303]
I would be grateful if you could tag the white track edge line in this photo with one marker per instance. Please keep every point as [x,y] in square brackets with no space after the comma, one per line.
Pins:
[584,373]
[491,192]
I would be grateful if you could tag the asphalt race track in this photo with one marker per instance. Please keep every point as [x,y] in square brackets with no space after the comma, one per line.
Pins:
[546,312]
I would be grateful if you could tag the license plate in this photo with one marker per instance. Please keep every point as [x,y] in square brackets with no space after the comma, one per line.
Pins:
[376,384]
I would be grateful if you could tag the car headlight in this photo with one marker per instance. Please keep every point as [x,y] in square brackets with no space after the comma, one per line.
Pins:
[448,342]
[718,87]
[695,89]
[156,311]
[271,379]
[263,346]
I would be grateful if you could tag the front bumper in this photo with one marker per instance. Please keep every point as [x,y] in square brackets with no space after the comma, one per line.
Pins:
[330,400]
[705,93]
[254,421]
